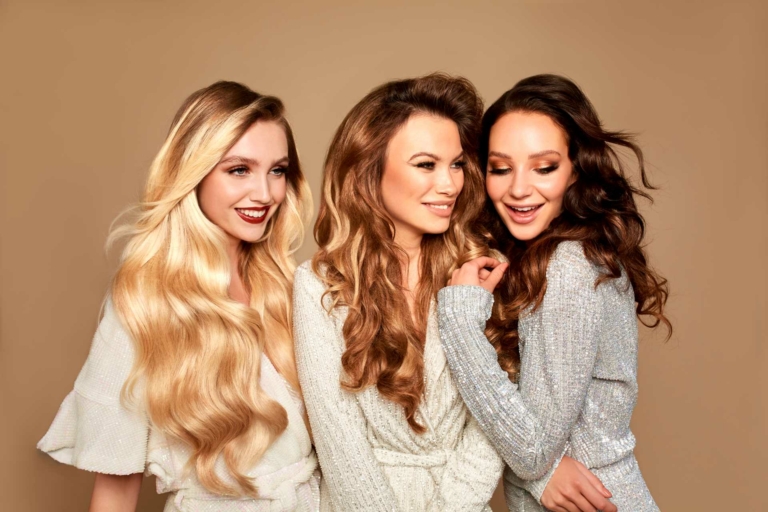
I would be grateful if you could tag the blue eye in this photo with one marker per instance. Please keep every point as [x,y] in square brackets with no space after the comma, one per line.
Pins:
[279,171]
[238,171]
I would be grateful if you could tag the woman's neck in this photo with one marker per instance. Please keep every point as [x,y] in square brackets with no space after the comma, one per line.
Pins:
[411,271]
[411,246]
[237,289]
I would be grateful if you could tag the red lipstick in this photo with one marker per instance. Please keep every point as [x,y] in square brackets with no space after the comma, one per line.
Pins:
[253,215]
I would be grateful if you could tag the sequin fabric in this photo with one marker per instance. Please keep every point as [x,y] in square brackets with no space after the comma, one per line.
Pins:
[370,458]
[577,386]
[95,431]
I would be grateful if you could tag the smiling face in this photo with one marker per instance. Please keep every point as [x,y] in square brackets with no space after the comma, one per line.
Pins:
[423,175]
[245,188]
[528,172]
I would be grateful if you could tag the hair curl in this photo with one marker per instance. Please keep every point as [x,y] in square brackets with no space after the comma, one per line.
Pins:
[358,259]
[198,350]
[598,210]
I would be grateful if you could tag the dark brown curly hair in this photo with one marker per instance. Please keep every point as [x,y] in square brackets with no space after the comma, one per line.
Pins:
[599,211]
[358,259]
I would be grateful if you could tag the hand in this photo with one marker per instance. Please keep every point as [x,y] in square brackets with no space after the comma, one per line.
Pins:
[475,272]
[573,488]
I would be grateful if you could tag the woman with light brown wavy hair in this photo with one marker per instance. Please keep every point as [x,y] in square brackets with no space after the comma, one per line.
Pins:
[556,386]
[401,184]
[191,376]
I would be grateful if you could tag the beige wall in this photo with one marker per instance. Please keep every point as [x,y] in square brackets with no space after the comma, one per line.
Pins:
[87,90]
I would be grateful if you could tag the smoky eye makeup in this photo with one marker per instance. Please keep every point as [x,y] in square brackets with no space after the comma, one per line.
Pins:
[459,163]
[499,168]
[546,169]
[426,164]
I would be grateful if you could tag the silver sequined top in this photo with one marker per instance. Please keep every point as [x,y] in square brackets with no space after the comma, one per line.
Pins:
[370,458]
[577,386]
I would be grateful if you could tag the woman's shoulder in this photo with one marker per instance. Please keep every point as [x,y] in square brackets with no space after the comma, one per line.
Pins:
[110,358]
[569,259]
[305,277]
[570,265]
[309,288]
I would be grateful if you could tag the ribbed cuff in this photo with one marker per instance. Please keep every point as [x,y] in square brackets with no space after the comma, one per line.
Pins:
[536,487]
[466,300]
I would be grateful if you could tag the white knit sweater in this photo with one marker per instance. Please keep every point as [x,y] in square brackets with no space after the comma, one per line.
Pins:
[94,431]
[371,459]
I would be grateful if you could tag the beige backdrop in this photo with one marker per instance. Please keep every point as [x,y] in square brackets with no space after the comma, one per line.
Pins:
[88,90]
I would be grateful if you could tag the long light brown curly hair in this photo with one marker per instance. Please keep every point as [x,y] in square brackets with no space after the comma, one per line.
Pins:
[599,211]
[198,351]
[358,259]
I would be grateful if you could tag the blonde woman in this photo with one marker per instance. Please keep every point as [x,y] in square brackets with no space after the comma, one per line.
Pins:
[191,375]
[401,183]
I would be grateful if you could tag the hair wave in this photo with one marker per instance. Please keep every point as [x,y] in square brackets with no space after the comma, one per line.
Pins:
[599,211]
[358,258]
[197,350]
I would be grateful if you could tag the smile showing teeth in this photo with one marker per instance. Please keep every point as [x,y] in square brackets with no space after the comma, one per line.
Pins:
[256,214]
[438,206]
[526,209]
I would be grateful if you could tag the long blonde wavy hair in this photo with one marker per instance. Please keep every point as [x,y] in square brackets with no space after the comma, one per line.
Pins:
[358,258]
[198,351]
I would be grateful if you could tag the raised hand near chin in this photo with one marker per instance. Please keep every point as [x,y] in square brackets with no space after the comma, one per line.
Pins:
[476,272]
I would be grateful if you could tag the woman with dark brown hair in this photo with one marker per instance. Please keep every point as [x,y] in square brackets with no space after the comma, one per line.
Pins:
[557,383]
[401,184]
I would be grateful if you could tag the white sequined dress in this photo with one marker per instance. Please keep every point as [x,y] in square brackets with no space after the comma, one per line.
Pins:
[371,459]
[577,387]
[94,431]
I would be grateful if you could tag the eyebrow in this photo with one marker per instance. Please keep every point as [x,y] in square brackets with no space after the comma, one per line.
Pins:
[434,156]
[531,156]
[250,161]
[544,153]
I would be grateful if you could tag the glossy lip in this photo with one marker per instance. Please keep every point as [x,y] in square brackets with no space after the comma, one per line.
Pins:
[252,220]
[441,213]
[523,217]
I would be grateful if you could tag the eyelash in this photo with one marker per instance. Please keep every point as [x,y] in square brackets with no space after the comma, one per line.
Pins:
[506,170]
[547,170]
[277,171]
[461,164]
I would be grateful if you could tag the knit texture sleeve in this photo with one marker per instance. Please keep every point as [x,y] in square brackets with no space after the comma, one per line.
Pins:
[93,430]
[352,475]
[529,424]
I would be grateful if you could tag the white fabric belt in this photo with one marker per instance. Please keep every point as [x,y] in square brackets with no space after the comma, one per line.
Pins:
[278,487]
